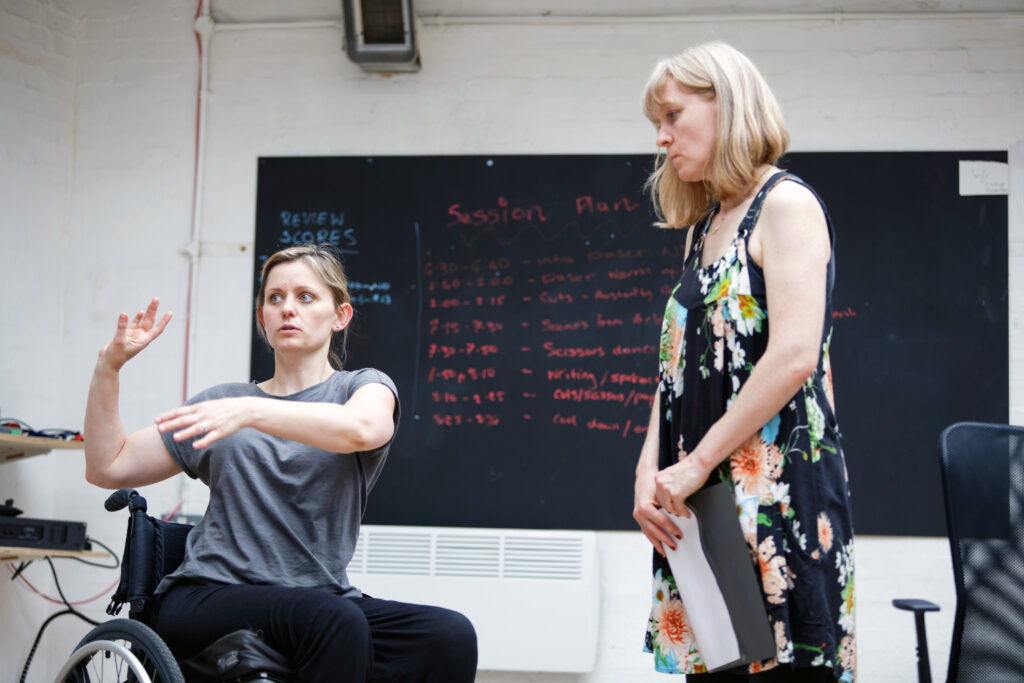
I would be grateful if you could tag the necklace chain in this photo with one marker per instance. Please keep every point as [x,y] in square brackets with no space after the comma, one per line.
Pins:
[713,230]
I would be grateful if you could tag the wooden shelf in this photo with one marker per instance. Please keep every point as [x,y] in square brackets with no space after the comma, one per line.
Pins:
[16,446]
[16,554]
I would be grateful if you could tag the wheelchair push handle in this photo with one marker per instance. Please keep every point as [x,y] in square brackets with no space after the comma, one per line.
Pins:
[122,498]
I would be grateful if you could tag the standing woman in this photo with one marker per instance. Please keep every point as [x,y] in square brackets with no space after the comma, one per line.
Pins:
[290,463]
[745,390]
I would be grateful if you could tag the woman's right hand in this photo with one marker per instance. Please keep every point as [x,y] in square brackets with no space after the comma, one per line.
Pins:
[133,336]
[658,528]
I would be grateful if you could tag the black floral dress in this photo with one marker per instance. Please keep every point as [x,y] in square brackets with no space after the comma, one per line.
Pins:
[789,479]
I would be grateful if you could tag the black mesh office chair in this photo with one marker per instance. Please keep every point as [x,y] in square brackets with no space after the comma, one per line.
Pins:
[129,650]
[983,484]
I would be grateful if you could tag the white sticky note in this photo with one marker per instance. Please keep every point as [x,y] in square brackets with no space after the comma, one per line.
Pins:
[984,178]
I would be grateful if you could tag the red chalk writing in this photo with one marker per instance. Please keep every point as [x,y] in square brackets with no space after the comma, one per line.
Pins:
[560,336]
[589,205]
[502,213]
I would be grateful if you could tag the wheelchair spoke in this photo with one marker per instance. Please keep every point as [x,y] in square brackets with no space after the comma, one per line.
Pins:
[108,666]
[121,651]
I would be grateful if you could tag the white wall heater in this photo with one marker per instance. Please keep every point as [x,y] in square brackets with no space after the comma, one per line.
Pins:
[533,596]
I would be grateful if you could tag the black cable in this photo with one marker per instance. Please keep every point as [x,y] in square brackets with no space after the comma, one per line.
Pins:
[117,560]
[69,610]
[21,567]
[35,644]
[56,582]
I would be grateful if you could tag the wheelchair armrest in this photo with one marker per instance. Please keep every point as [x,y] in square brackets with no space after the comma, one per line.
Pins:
[915,605]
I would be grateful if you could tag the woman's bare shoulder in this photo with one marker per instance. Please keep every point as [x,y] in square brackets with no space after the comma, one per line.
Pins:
[792,221]
[788,197]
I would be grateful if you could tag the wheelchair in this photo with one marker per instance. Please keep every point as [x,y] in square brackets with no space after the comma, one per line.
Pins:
[129,651]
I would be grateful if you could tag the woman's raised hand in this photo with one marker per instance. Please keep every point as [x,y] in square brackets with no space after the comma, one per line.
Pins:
[133,335]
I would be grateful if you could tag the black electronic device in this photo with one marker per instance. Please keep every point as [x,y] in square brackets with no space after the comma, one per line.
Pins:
[8,509]
[51,534]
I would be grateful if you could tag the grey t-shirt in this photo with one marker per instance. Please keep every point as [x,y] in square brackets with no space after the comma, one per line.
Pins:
[280,512]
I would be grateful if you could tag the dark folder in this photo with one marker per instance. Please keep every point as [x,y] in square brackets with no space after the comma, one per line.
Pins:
[719,584]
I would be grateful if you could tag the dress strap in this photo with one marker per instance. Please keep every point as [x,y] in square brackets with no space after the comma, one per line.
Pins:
[754,212]
[700,230]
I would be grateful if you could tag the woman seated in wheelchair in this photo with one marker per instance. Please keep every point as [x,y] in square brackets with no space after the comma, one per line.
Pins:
[289,462]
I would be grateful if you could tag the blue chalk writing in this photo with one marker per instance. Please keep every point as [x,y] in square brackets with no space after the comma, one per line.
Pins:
[369,292]
[360,299]
[345,239]
[369,286]
[311,219]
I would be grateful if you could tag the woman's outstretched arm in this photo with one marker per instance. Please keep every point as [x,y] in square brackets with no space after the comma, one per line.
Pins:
[365,422]
[114,459]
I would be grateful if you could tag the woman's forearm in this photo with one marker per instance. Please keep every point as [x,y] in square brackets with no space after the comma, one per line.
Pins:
[329,426]
[773,382]
[647,463]
[364,423]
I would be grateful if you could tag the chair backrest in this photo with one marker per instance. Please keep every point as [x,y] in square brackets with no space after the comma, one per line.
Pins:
[983,480]
[153,548]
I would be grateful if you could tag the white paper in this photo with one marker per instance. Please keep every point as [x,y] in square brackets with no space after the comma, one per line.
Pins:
[701,596]
[984,178]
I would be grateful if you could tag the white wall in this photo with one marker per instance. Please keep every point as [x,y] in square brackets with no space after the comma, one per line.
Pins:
[98,102]
[38,69]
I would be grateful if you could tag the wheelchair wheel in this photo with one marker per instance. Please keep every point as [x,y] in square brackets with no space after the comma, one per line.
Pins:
[121,651]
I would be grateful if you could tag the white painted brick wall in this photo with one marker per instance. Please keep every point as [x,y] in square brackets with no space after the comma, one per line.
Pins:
[37,110]
[97,101]
[37,133]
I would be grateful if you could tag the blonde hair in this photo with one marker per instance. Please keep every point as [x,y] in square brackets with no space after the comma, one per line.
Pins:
[751,129]
[324,262]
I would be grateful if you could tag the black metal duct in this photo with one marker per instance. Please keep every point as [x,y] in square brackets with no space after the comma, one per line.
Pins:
[379,35]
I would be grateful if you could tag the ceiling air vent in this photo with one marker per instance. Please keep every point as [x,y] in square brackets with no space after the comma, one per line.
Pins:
[379,35]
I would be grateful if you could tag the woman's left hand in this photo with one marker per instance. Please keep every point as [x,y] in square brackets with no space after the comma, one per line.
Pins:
[208,421]
[676,483]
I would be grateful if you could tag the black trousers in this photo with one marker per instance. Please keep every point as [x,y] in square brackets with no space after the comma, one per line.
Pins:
[327,638]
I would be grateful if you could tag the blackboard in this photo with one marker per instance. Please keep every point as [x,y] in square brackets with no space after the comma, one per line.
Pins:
[517,301]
